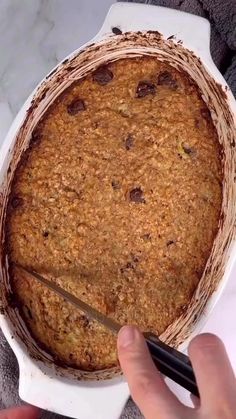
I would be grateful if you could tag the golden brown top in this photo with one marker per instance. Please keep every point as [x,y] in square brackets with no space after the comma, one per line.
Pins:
[118,200]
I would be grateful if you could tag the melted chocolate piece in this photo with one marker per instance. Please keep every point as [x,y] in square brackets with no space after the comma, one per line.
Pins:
[45,234]
[129,142]
[136,195]
[165,79]
[76,106]
[145,88]
[16,202]
[116,30]
[103,75]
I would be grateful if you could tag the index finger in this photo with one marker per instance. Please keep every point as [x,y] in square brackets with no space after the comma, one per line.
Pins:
[146,384]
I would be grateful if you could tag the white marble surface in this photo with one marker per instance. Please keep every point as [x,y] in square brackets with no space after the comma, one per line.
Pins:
[34,36]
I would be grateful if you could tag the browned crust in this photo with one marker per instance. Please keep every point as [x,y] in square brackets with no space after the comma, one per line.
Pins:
[191,155]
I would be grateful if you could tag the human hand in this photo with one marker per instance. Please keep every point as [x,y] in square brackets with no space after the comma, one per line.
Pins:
[22,412]
[214,375]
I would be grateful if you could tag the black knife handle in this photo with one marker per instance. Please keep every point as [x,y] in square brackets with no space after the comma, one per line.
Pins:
[172,363]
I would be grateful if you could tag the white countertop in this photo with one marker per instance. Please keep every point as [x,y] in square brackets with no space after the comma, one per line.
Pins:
[34,37]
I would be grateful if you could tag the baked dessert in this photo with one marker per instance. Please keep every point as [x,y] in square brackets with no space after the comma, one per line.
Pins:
[117,200]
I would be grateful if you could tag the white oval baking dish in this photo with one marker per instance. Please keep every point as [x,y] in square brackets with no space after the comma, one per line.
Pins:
[40,383]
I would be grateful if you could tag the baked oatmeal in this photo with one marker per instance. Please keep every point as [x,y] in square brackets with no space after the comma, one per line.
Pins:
[117,200]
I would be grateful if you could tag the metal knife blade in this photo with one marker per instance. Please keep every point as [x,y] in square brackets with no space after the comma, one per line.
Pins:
[86,308]
[168,360]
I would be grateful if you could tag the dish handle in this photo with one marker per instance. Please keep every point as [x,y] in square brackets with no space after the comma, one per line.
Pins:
[79,400]
[192,30]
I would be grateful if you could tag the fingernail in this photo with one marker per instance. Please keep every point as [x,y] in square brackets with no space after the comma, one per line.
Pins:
[126,336]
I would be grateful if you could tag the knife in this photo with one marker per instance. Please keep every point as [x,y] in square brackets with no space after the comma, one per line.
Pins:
[170,362]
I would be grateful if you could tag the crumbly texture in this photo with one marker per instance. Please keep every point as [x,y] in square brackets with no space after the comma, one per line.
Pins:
[118,201]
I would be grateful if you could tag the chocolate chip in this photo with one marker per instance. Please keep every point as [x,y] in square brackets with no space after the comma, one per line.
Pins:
[136,195]
[129,142]
[165,79]
[145,88]
[45,234]
[16,202]
[115,184]
[170,37]
[116,30]
[103,75]
[76,106]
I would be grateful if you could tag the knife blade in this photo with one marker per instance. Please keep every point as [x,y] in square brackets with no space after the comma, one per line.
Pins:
[86,308]
[168,360]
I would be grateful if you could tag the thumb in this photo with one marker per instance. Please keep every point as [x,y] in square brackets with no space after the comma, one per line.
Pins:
[146,385]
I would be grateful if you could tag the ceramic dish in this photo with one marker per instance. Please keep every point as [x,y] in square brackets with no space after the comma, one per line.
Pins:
[129,30]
